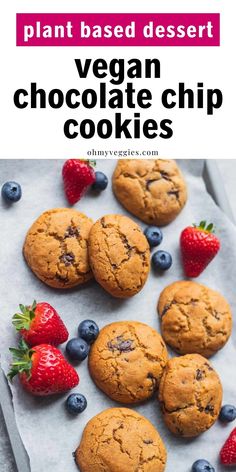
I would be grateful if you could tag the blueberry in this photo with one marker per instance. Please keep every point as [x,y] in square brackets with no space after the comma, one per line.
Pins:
[202,466]
[88,330]
[227,413]
[154,235]
[161,260]
[77,349]
[11,191]
[76,403]
[101,181]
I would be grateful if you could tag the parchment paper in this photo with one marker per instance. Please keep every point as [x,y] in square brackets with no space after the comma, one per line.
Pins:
[49,434]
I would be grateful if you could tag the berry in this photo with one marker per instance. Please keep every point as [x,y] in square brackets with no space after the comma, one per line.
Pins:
[161,260]
[42,370]
[11,191]
[154,235]
[101,181]
[76,403]
[198,247]
[77,349]
[77,175]
[228,451]
[88,330]
[40,324]
[227,413]
[202,466]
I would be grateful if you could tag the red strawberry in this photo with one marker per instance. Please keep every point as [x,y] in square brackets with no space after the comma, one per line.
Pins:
[228,451]
[39,324]
[77,175]
[198,246]
[42,370]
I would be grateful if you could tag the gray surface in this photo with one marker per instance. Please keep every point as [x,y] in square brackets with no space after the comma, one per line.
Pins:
[227,168]
[6,463]
[20,455]
[215,187]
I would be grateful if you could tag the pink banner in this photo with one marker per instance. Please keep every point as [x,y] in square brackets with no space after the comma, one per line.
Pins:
[118,29]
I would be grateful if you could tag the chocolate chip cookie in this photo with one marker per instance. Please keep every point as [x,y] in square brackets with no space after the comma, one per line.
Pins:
[153,190]
[194,318]
[127,361]
[119,439]
[56,250]
[190,394]
[119,255]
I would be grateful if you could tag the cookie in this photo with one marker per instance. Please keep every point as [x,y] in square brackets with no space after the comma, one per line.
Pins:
[127,361]
[56,250]
[119,255]
[120,439]
[190,394]
[153,190]
[194,318]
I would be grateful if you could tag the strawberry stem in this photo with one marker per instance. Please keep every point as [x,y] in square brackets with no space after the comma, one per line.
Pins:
[90,162]
[23,320]
[21,360]
[203,226]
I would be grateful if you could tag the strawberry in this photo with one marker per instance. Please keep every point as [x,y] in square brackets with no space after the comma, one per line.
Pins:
[42,370]
[228,451]
[39,324]
[198,246]
[77,175]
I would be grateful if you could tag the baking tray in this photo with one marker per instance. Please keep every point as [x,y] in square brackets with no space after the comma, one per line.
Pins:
[213,181]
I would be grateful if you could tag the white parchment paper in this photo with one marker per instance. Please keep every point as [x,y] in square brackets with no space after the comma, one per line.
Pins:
[49,434]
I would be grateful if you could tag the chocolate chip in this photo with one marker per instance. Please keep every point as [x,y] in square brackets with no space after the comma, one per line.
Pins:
[126,245]
[199,406]
[199,374]
[174,192]
[166,308]
[216,315]
[61,278]
[103,222]
[68,258]
[209,409]
[165,176]
[71,232]
[148,441]
[149,182]
[120,344]
[208,366]
[153,379]
[125,346]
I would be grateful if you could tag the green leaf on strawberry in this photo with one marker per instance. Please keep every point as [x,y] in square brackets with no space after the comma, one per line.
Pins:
[23,320]
[210,228]
[21,360]
[42,370]
[40,323]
